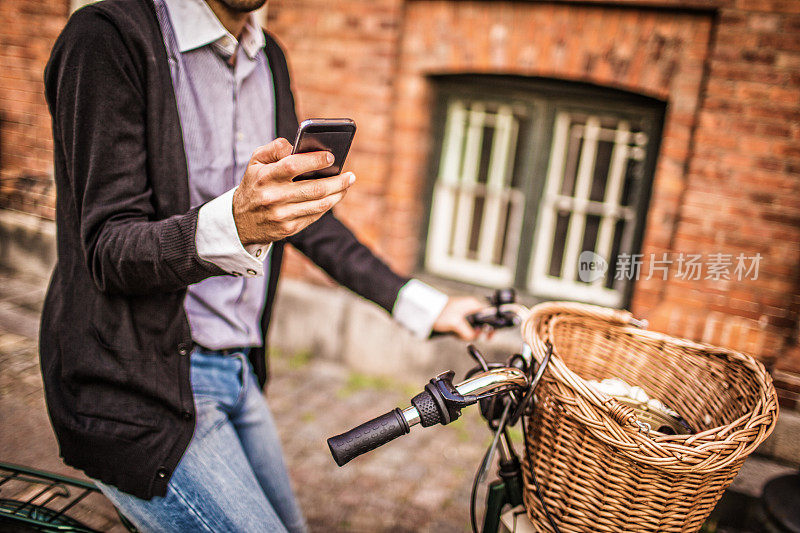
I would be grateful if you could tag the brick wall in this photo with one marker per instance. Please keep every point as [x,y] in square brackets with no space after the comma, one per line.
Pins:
[728,174]
[742,189]
[342,57]
[28,29]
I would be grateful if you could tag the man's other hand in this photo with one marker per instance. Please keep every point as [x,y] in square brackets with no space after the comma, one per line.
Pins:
[452,319]
[268,206]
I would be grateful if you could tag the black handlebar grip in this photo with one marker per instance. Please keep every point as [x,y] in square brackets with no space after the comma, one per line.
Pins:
[368,436]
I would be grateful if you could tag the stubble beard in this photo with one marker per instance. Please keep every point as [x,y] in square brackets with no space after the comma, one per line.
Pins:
[243,6]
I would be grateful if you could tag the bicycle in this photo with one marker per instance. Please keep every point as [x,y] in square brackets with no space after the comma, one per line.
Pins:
[505,394]
[47,508]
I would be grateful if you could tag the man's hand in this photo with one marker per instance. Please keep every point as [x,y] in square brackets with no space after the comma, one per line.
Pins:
[452,318]
[268,206]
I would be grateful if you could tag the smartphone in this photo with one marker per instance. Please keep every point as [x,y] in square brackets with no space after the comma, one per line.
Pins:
[329,134]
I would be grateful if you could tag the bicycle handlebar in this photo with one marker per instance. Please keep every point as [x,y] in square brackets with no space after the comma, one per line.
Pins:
[434,402]
[368,436]
[498,317]
[441,401]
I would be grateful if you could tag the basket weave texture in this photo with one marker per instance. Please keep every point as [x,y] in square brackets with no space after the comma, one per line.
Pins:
[597,468]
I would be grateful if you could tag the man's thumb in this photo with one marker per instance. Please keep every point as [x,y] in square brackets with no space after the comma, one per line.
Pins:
[272,152]
[464,330]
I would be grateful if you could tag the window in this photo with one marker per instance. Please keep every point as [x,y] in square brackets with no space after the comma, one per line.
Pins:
[585,207]
[476,209]
[540,185]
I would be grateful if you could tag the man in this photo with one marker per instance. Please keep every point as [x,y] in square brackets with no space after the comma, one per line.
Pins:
[172,215]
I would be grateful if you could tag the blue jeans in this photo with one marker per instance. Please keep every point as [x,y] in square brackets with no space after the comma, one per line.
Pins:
[232,476]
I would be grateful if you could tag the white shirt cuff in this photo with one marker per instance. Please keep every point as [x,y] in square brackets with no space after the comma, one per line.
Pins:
[418,306]
[218,241]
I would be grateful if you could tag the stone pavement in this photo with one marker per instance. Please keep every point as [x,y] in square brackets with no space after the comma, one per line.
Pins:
[418,483]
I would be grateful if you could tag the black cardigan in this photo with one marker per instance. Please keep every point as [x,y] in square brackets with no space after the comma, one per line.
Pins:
[114,339]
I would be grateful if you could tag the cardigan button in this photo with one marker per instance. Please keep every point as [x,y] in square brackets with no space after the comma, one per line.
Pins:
[161,473]
[183,349]
[187,415]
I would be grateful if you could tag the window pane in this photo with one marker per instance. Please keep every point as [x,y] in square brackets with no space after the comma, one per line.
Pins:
[520,152]
[616,249]
[557,255]
[475,231]
[574,149]
[601,167]
[486,152]
[501,251]
[590,233]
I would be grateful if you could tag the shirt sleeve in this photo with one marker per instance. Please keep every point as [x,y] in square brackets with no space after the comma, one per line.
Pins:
[418,306]
[217,240]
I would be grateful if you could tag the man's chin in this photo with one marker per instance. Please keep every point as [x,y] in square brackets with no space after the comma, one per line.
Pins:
[243,6]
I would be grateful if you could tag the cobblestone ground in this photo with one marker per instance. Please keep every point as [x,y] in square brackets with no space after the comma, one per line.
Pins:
[418,483]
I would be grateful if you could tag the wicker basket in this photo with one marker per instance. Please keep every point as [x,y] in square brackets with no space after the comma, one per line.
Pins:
[598,470]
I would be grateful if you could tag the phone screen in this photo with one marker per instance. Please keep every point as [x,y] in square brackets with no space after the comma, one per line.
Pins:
[331,136]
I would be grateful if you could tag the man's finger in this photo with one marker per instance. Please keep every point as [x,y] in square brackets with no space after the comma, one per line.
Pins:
[305,191]
[293,165]
[272,152]
[310,208]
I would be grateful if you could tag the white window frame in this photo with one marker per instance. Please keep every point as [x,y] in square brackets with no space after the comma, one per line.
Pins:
[456,189]
[627,145]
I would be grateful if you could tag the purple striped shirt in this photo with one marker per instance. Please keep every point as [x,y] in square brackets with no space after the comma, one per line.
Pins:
[225,113]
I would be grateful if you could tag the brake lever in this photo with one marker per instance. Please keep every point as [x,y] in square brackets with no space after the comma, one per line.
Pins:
[494,318]
[453,399]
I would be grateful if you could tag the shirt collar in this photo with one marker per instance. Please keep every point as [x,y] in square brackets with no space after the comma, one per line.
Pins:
[196,25]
